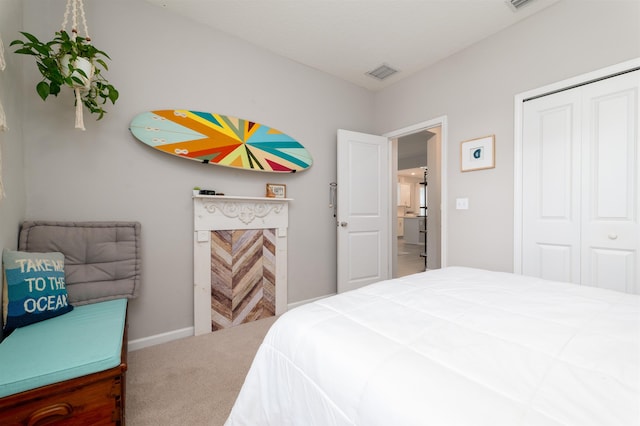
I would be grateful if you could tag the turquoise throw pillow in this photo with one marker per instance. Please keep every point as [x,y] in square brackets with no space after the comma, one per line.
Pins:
[34,288]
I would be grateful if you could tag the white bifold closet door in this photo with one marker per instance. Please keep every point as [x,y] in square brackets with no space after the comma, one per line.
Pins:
[581,183]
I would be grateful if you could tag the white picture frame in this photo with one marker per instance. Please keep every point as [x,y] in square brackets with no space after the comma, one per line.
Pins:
[478,154]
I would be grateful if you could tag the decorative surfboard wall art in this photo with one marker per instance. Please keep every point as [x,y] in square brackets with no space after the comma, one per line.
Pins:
[220,139]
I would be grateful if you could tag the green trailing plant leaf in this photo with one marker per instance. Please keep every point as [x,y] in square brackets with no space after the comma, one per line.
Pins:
[43,89]
[54,89]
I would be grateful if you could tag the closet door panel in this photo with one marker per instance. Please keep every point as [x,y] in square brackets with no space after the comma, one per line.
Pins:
[610,204]
[612,269]
[555,261]
[551,202]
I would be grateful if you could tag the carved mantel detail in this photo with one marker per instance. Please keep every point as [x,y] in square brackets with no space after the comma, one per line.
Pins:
[244,211]
[214,212]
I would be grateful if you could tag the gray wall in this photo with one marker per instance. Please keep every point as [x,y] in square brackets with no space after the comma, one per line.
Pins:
[412,150]
[164,61]
[475,89]
[12,207]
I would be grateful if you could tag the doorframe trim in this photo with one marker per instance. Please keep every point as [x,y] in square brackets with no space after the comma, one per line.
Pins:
[441,122]
[517,138]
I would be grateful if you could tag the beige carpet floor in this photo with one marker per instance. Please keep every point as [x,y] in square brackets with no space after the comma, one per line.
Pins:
[191,381]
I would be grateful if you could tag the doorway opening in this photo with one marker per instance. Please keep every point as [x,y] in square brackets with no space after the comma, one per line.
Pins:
[417,201]
[414,244]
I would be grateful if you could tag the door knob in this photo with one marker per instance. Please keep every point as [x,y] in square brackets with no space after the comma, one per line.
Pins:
[343,224]
[613,236]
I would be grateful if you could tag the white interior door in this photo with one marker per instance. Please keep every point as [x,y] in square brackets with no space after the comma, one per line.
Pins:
[610,231]
[551,187]
[363,209]
[580,185]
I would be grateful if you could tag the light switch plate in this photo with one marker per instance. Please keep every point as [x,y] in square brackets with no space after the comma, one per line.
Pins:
[462,204]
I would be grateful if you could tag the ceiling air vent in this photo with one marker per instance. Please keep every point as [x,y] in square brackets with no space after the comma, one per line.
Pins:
[517,4]
[382,72]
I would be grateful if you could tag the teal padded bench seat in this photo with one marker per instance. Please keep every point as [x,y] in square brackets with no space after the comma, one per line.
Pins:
[84,341]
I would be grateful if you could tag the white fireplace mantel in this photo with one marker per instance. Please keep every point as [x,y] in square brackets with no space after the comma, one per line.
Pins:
[218,213]
[222,212]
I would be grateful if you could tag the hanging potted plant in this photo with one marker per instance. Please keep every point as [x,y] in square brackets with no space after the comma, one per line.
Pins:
[71,60]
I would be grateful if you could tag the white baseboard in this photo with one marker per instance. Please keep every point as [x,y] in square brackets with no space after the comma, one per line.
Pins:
[304,302]
[145,342]
[169,336]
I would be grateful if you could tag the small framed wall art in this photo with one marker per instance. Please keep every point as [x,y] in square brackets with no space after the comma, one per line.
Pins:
[276,190]
[478,154]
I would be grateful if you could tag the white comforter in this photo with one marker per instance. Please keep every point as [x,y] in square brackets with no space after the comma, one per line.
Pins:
[456,346]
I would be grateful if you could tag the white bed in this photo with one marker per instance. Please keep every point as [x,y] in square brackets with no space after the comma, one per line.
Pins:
[456,346]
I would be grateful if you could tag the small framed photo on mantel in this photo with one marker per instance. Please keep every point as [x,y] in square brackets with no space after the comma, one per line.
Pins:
[276,190]
[478,154]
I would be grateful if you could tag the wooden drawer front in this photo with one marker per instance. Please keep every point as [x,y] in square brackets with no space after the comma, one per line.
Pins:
[79,402]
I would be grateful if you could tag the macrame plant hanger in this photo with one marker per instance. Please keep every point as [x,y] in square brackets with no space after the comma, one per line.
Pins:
[3,64]
[3,119]
[76,9]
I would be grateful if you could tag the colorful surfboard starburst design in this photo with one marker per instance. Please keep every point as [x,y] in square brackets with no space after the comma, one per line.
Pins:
[220,139]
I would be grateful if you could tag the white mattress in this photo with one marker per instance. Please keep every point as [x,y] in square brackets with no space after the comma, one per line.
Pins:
[456,346]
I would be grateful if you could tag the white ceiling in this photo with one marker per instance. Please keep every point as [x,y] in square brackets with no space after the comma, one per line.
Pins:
[412,173]
[347,38]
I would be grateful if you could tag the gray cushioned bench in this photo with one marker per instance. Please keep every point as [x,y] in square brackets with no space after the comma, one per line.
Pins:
[70,369]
